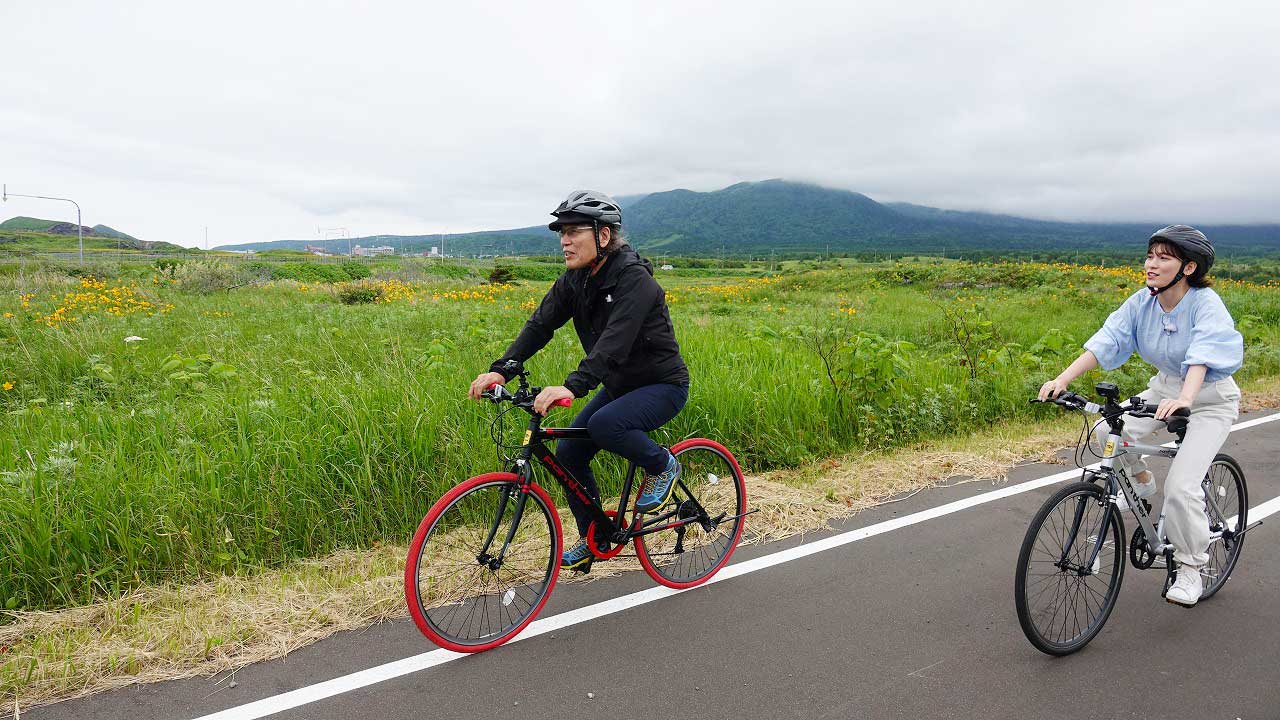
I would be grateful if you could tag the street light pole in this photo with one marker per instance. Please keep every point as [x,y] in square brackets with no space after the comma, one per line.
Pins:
[79,227]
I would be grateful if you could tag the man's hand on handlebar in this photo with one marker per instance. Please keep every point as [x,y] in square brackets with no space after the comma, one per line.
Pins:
[483,382]
[553,395]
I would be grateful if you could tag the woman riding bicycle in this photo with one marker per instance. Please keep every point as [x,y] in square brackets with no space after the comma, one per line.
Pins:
[620,314]
[1181,327]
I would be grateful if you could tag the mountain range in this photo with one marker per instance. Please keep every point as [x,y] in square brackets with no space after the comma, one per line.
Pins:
[791,218]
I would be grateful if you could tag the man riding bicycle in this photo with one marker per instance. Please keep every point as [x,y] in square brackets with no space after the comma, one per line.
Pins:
[620,314]
[1181,327]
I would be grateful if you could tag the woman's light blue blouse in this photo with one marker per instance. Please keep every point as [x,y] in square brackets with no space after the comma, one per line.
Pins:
[1198,331]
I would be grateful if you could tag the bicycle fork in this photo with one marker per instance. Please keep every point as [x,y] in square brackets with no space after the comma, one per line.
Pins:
[1086,568]
[521,495]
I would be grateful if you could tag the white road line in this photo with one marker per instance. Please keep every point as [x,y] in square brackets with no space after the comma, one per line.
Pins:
[415,663]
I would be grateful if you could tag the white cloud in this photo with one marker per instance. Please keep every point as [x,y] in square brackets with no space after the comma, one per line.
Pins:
[268,120]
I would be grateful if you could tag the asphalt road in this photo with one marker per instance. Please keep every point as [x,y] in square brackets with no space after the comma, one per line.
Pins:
[913,622]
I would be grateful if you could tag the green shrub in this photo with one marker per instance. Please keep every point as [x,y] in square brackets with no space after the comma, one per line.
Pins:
[360,294]
[501,275]
[355,270]
[206,276]
[89,270]
[166,266]
[541,272]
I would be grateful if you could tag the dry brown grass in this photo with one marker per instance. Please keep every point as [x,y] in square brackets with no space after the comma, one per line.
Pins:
[1260,394]
[217,626]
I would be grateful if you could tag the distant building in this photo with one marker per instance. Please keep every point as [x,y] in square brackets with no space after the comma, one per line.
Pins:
[434,252]
[370,252]
[319,251]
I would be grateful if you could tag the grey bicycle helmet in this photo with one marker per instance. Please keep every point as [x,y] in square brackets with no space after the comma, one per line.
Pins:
[586,206]
[1193,245]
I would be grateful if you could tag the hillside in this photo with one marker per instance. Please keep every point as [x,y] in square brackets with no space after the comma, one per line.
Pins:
[789,218]
[60,227]
[18,242]
[104,231]
[29,224]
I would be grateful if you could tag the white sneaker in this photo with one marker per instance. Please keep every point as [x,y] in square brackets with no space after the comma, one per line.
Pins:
[1187,588]
[1142,490]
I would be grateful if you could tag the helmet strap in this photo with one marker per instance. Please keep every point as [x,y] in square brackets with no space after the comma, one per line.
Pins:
[595,229]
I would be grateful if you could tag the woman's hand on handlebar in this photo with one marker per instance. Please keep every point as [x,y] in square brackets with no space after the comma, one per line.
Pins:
[549,396]
[1052,389]
[483,382]
[1168,406]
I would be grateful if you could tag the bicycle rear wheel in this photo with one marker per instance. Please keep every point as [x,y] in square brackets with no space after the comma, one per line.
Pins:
[1228,515]
[463,592]
[1062,604]
[712,498]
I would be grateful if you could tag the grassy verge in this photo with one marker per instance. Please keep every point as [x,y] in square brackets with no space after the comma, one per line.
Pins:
[204,628]
[159,633]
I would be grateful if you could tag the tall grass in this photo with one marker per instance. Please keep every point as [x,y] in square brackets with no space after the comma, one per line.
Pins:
[268,423]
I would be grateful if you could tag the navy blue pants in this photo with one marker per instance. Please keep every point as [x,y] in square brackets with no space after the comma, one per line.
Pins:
[619,426]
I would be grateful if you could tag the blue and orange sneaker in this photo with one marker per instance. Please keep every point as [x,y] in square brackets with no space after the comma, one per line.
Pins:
[578,558]
[656,490]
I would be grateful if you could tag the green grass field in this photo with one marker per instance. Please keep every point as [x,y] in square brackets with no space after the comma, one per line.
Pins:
[250,426]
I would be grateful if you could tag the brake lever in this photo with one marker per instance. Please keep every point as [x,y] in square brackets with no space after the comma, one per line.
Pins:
[497,392]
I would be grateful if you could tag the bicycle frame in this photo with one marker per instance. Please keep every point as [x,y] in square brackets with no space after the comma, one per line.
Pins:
[535,448]
[1118,481]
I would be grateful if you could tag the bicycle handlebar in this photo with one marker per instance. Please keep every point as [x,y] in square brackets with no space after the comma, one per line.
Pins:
[523,398]
[1136,407]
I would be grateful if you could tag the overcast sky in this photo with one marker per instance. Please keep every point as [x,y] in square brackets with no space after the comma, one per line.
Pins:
[267,120]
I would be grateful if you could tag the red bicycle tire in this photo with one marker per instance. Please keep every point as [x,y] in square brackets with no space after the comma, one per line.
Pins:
[647,563]
[415,551]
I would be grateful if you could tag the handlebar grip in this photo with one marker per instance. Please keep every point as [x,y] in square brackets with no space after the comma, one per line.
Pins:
[563,402]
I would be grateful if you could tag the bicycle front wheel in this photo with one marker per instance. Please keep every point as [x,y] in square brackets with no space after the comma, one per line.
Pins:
[706,517]
[1227,503]
[468,589]
[1063,596]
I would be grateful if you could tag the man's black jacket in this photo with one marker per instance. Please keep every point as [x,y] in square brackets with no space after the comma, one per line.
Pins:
[621,318]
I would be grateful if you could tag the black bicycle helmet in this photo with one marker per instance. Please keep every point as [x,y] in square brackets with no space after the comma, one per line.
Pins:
[1195,247]
[587,206]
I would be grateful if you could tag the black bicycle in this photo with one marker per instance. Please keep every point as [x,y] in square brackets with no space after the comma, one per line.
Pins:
[486,556]
[1073,556]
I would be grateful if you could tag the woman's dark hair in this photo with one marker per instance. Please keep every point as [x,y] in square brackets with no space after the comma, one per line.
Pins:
[1196,279]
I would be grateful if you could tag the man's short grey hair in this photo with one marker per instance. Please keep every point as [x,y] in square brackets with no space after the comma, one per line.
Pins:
[616,238]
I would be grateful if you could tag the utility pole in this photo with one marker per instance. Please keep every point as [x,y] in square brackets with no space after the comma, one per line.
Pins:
[4,197]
